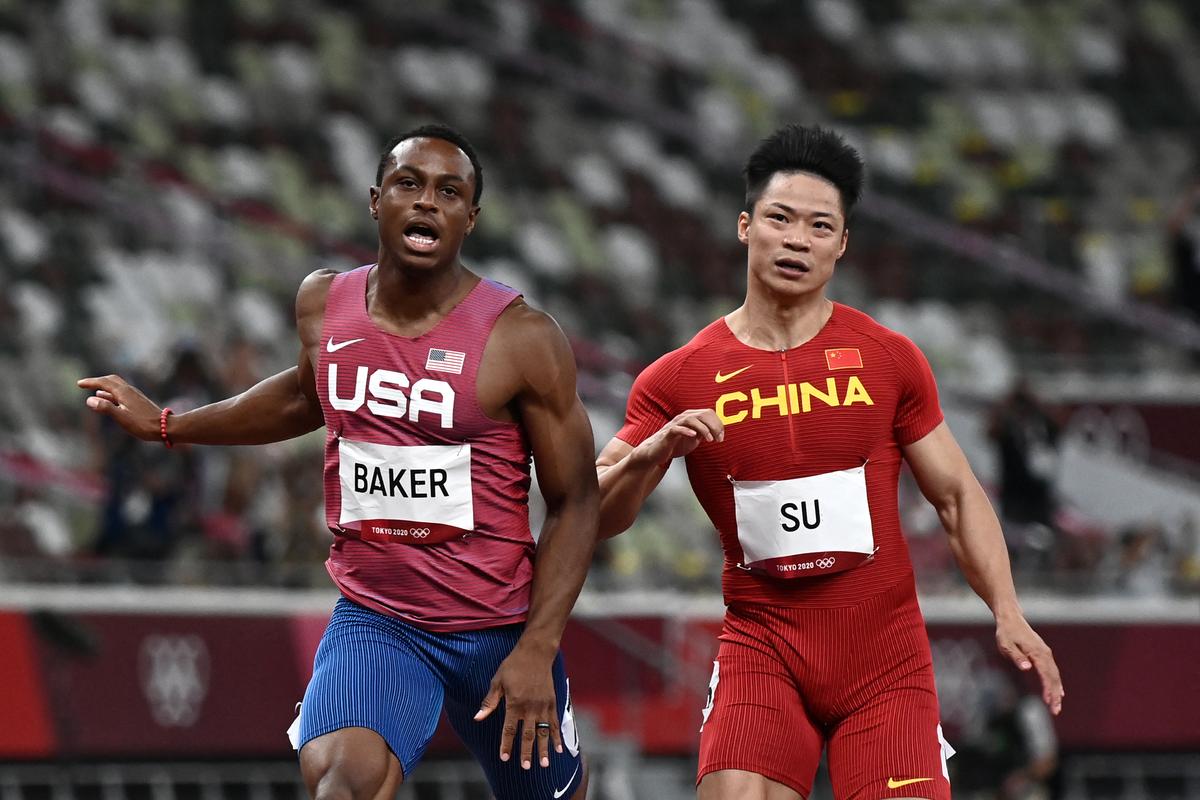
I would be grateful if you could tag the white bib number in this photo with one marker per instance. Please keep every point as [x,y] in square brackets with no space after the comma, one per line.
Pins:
[805,526]
[418,495]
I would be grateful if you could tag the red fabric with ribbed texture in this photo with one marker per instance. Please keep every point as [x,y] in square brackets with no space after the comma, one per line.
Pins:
[477,581]
[887,402]
[857,679]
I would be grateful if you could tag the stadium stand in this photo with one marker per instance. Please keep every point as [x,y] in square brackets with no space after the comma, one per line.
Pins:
[177,171]
[173,169]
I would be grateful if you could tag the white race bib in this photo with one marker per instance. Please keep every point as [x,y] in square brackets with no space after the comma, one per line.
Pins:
[418,494]
[804,526]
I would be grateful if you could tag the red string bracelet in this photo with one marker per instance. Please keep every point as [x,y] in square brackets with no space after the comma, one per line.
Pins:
[162,428]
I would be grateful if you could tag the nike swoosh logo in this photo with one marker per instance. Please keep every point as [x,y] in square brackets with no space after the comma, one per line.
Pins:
[895,784]
[560,792]
[333,348]
[722,378]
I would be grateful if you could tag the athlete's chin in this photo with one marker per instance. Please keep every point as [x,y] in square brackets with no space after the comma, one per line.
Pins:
[797,285]
[430,261]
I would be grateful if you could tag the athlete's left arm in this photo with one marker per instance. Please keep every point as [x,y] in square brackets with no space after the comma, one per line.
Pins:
[560,437]
[947,481]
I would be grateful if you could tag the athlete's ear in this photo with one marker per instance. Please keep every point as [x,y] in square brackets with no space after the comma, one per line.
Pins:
[845,241]
[374,202]
[472,215]
[744,227]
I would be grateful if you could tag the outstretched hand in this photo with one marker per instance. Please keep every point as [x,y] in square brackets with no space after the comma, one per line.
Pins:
[525,682]
[1017,640]
[131,409]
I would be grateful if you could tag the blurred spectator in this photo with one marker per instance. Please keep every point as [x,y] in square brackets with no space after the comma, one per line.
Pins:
[153,493]
[146,510]
[1026,439]
[1184,230]
[1188,573]
[1140,567]
[1014,755]
[18,537]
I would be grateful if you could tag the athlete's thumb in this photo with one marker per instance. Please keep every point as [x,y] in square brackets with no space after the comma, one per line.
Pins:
[489,704]
[100,404]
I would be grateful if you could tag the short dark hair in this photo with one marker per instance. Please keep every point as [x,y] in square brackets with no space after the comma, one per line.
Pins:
[801,148]
[435,131]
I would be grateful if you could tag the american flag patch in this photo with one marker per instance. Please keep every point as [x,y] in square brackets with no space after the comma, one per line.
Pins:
[445,361]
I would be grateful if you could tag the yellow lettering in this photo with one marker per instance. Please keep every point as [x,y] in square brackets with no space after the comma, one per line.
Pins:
[792,398]
[828,397]
[856,393]
[736,397]
[779,402]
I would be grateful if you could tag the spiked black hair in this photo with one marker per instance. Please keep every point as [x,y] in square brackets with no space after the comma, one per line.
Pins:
[801,148]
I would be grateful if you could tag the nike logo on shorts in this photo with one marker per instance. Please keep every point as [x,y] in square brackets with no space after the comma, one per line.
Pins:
[333,348]
[722,378]
[560,792]
[895,784]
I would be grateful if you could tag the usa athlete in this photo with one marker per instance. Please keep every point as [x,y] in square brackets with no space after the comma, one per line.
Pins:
[435,387]
[793,414]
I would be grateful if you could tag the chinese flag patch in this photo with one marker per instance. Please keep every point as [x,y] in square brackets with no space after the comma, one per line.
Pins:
[843,358]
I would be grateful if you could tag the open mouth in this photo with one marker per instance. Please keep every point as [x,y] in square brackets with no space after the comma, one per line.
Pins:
[792,265]
[421,237]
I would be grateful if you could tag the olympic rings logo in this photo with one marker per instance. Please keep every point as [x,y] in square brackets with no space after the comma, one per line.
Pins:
[825,563]
[412,533]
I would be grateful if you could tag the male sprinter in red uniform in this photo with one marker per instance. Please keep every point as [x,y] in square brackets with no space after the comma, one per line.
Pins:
[434,387]
[793,413]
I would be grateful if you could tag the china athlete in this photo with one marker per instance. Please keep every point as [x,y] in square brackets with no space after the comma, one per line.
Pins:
[793,414]
[434,387]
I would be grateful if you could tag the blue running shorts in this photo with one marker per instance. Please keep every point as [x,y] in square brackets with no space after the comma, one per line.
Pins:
[378,672]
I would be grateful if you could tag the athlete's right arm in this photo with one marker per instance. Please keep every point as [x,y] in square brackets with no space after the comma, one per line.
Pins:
[629,474]
[280,407]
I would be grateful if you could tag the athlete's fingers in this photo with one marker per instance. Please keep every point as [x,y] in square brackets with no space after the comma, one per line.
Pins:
[704,421]
[111,387]
[549,735]
[508,734]
[693,428]
[1052,688]
[490,702]
[106,382]
[556,732]
[528,734]
[713,423]
[683,430]
[542,743]
[542,739]
[1032,654]
[543,730]
[101,404]
[1016,654]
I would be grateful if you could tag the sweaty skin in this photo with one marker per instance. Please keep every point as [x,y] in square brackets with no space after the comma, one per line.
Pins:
[527,374]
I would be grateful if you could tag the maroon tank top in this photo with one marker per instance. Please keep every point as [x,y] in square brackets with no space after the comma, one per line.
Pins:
[425,494]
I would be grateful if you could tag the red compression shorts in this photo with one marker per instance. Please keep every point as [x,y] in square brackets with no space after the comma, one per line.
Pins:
[857,679]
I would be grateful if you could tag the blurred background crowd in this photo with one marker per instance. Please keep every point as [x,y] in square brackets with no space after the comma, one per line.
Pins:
[172,170]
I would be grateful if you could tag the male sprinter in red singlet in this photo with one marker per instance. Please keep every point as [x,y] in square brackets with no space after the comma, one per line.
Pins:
[434,387]
[793,413]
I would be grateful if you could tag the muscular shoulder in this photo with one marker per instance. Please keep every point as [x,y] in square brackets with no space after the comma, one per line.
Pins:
[668,368]
[899,346]
[533,345]
[313,291]
[310,303]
